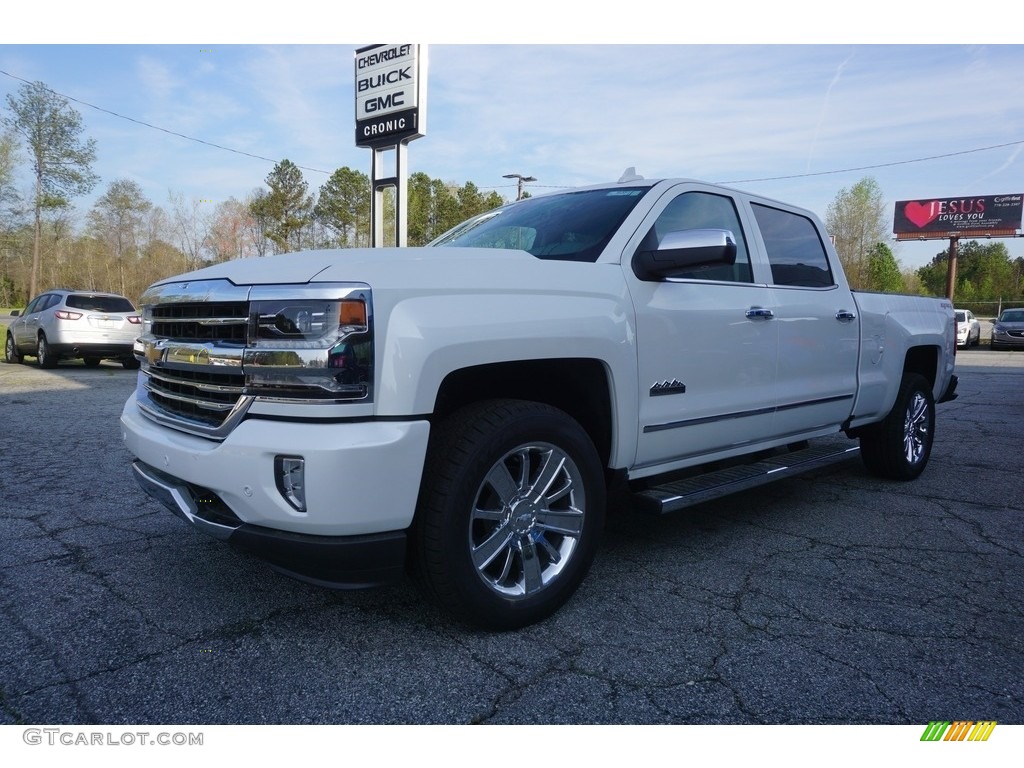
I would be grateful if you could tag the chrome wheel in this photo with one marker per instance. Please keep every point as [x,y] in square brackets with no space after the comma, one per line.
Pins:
[917,429]
[511,508]
[898,447]
[527,519]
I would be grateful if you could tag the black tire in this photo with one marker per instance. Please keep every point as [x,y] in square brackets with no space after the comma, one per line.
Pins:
[129,363]
[899,446]
[91,362]
[486,499]
[11,353]
[44,355]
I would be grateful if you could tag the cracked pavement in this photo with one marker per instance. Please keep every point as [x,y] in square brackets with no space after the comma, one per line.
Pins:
[832,598]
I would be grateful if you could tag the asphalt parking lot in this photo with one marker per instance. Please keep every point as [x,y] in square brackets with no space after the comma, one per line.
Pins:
[832,598]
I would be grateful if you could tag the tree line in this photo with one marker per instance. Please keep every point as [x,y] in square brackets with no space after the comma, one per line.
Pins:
[126,241]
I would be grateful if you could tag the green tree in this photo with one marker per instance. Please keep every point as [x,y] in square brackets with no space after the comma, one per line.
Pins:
[61,159]
[858,221]
[984,272]
[286,209]
[884,271]
[8,192]
[118,219]
[343,206]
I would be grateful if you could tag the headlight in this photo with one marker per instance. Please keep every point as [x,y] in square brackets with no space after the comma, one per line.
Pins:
[314,346]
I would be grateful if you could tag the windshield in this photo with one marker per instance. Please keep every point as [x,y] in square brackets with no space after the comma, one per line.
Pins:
[574,226]
[961,317]
[1012,316]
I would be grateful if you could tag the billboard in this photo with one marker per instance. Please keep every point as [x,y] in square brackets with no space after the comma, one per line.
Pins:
[955,216]
[391,104]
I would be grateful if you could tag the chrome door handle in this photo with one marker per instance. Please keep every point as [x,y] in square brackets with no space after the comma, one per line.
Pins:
[760,313]
[845,316]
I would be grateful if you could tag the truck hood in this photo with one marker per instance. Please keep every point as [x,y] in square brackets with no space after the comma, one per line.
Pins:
[409,271]
[370,265]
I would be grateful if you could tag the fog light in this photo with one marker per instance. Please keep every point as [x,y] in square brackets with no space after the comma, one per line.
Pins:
[290,476]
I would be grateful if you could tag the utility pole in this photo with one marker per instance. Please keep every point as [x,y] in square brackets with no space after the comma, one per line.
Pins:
[522,179]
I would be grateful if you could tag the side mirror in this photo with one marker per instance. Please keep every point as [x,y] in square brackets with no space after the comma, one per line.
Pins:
[686,250]
[15,313]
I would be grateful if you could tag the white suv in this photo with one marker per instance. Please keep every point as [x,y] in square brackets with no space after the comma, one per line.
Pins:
[63,324]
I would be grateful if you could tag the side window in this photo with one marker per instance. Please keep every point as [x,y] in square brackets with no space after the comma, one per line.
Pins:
[795,250]
[701,210]
[36,304]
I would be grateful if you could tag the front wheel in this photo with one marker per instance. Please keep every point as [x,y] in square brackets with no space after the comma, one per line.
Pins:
[899,446]
[511,507]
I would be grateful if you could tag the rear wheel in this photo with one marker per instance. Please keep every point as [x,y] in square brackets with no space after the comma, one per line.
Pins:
[44,354]
[899,446]
[11,353]
[511,507]
[91,362]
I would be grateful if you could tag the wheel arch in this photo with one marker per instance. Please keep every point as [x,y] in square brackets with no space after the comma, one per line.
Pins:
[923,360]
[581,387]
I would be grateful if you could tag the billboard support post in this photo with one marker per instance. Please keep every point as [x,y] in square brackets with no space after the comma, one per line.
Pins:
[951,270]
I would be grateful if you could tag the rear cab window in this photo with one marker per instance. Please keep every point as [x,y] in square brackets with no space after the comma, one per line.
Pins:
[795,251]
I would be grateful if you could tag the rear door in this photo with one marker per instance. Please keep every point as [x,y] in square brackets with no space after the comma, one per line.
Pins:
[817,323]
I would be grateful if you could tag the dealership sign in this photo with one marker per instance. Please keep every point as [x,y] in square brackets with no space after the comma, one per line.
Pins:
[391,104]
[952,217]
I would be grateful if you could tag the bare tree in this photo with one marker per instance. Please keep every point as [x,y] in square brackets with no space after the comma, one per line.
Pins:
[191,228]
[117,219]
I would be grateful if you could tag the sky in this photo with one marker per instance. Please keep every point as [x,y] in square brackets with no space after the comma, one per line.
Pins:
[206,115]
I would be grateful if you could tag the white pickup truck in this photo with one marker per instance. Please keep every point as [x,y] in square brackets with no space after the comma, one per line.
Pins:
[464,408]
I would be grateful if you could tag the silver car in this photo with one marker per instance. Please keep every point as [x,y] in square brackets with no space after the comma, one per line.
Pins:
[62,324]
[1008,330]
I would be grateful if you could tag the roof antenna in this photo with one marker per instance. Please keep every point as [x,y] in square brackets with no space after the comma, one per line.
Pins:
[630,174]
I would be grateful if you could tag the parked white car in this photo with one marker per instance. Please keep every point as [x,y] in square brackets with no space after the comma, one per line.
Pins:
[968,329]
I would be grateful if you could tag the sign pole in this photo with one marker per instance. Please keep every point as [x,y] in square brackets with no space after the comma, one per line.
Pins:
[951,269]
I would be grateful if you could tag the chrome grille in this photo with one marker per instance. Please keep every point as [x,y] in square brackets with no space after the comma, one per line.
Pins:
[206,321]
[204,397]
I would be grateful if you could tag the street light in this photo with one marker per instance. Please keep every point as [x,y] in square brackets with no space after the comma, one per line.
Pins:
[522,179]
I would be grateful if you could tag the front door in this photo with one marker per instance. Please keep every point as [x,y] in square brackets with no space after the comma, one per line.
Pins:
[707,346]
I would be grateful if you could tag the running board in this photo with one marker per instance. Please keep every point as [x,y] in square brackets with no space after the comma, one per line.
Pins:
[674,496]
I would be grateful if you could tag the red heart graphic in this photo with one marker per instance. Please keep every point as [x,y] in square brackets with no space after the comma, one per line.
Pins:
[920,214]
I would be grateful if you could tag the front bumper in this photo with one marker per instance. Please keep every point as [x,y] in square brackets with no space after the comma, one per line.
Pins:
[339,562]
[361,480]
[1006,341]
